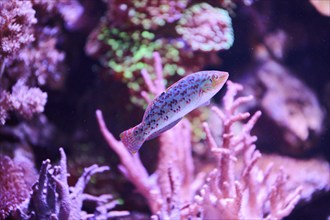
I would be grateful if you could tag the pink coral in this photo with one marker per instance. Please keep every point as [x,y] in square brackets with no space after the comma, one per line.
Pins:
[250,194]
[40,62]
[172,187]
[27,101]
[206,28]
[292,107]
[70,10]
[4,107]
[173,191]
[28,58]
[13,189]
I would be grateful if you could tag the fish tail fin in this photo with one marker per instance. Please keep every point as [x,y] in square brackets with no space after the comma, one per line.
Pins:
[131,141]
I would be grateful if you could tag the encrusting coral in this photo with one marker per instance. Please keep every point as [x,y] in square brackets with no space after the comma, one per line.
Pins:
[205,34]
[173,191]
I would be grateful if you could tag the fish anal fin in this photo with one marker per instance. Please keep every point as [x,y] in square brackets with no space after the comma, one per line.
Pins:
[159,132]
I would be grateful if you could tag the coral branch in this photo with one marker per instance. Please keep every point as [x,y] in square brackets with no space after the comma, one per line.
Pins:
[51,197]
[131,166]
[228,196]
[227,193]
[170,186]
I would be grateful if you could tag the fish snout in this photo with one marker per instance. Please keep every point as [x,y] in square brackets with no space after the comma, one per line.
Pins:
[219,79]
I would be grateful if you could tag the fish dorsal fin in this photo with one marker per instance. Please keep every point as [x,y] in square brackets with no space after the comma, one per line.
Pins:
[159,132]
[150,105]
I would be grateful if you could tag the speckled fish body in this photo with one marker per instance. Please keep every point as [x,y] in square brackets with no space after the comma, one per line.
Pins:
[167,109]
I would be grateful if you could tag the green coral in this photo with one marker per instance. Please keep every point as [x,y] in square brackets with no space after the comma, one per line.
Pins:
[130,52]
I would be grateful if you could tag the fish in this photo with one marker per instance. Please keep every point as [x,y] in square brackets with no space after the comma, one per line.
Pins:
[168,108]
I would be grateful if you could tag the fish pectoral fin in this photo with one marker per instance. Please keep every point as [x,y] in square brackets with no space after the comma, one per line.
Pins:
[159,132]
[205,103]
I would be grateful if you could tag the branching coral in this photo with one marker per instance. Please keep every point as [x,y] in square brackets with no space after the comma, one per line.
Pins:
[52,198]
[172,190]
[172,185]
[314,177]
[251,194]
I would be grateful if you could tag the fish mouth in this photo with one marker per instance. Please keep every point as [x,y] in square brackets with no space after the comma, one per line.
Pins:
[215,83]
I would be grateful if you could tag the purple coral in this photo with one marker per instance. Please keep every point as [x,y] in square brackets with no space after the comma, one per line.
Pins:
[26,101]
[40,62]
[16,20]
[206,28]
[52,198]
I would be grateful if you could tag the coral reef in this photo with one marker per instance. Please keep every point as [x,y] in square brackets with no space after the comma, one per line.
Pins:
[172,191]
[251,195]
[61,60]
[28,53]
[51,196]
[184,36]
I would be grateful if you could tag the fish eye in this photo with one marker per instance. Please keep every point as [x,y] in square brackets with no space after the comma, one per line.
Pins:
[215,77]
